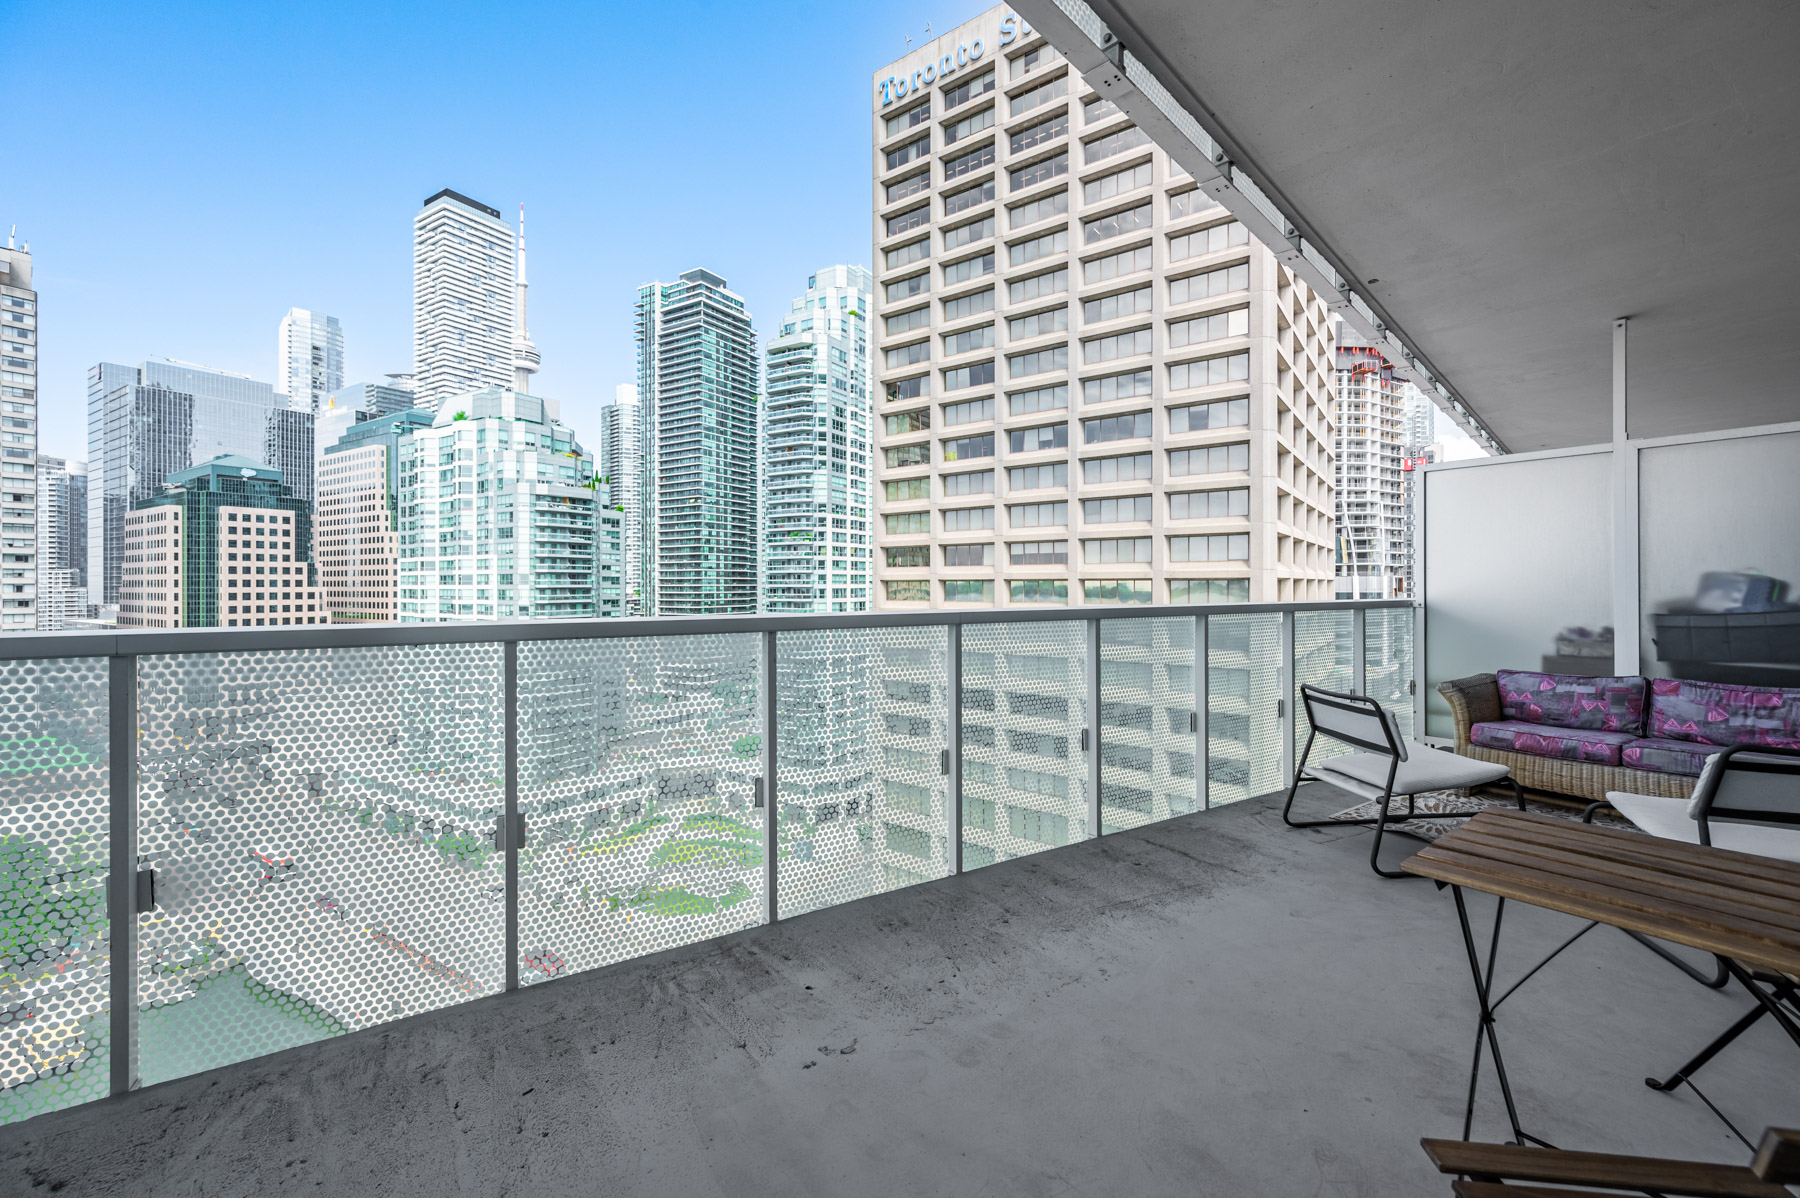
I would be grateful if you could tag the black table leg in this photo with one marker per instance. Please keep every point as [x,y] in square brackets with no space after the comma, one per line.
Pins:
[1485,1032]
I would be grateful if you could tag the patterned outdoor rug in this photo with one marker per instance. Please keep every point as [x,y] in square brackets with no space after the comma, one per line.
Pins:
[1463,802]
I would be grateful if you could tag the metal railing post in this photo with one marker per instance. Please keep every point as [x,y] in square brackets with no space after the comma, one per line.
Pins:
[1093,724]
[1202,783]
[510,821]
[770,787]
[953,694]
[1359,641]
[122,864]
[1284,709]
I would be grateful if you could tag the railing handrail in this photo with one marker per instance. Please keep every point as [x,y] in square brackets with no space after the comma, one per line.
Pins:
[136,642]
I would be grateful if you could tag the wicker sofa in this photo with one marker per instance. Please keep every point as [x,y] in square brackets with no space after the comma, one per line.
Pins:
[1585,736]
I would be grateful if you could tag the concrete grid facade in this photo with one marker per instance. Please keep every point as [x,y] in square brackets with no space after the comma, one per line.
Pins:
[1094,386]
[463,297]
[816,476]
[18,442]
[356,521]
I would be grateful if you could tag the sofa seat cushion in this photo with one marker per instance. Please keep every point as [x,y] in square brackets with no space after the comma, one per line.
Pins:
[1717,714]
[1570,701]
[1542,740]
[1365,774]
[1663,756]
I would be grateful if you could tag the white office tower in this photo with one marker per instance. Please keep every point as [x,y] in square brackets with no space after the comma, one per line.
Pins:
[1371,504]
[309,358]
[463,299]
[61,543]
[18,469]
[1096,387]
[816,478]
[619,462]
[525,354]
[497,513]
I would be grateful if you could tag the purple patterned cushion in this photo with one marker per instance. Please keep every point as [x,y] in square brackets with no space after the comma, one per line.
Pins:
[1717,714]
[1542,740]
[1667,756]
[1571,701]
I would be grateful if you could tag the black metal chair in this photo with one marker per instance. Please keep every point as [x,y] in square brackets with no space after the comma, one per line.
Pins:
[1747,800]
[1384,771]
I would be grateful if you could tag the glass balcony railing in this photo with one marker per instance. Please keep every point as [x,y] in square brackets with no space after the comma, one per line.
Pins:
[311,832]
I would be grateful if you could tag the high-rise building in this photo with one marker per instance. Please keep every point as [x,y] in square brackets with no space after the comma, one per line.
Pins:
[609,553]
[18,413]
[158,418]
[619,460]
[1371,505]
[816,477]
[224,543]
[697,375]
[1096,387]
[356,522]
[309,358]
[497,513]
[463,298]
[525,354]
[62,555]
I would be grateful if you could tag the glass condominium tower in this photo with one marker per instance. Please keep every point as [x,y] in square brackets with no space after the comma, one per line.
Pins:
[463,298]
[816,473]
[497,513]
[1094,386]
[697,376]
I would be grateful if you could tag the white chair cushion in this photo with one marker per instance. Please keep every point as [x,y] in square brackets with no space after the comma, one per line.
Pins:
[1425,768]
[1668,818]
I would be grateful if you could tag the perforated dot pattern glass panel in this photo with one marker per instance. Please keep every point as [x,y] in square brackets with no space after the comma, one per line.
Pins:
[1388,662]
[1325,657]
[1243,687]
[638,761]
[862,729]
[1024,709]
[1147,736]
[321,824]
[55,952]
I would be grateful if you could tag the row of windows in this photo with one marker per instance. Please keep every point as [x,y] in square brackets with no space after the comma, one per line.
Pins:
[1106,308]
[1056,590]
[1135,467]
[1181,291]
[1189,418]
[1123,509]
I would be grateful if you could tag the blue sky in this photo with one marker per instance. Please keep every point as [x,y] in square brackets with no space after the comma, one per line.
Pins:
[192,171]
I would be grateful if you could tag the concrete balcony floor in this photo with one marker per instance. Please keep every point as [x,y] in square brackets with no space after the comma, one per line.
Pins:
[1217,1005]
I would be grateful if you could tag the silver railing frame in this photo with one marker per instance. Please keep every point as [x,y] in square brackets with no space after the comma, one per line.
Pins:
[123,648]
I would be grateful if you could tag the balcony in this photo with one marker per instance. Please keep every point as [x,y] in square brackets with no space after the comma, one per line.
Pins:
[992,871]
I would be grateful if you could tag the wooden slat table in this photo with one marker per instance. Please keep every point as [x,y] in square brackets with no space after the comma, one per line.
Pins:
[1744,908]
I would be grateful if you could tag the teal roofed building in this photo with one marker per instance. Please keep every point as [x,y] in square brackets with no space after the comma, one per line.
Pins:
[225,543]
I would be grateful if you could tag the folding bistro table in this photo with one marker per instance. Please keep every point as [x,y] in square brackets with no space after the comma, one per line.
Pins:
[1744,908]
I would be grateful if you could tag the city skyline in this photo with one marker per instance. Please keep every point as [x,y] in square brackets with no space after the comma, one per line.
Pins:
[228,269]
